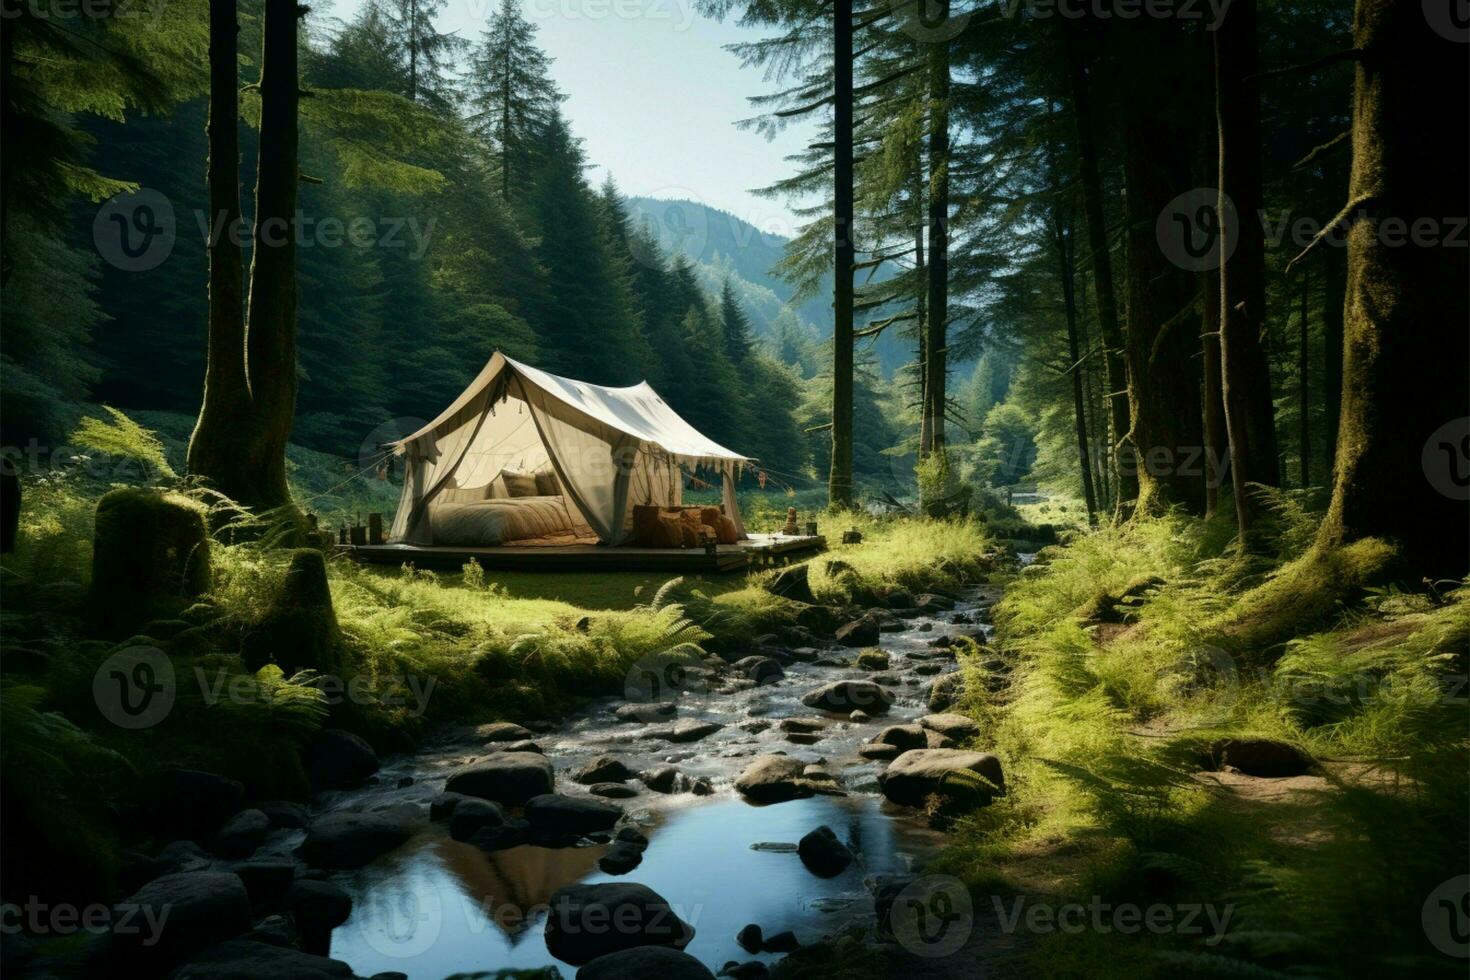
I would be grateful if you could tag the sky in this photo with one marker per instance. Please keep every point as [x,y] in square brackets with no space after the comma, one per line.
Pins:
[654,97]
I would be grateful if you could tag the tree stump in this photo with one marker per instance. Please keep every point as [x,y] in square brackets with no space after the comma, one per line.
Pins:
[150,557]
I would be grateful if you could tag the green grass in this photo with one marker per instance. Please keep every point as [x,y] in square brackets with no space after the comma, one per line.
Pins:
[1102,727]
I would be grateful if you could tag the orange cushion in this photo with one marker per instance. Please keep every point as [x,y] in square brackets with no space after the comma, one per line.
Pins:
[725,531]
[669,533]
[710,516]
[690,535]
[645,525]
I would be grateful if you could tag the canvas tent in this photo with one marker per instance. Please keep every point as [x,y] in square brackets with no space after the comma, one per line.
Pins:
[610,448]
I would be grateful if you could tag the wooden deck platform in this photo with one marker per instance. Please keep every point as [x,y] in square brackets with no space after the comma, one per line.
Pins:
[759,549]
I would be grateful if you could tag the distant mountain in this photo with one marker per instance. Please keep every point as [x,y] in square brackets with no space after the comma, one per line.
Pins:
[722,246]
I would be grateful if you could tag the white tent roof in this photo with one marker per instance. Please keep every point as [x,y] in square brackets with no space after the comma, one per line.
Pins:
[637,411]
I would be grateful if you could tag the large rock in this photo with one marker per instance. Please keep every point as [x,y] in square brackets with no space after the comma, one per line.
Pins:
[904,737]
[173,917]
[266,879]
[342,840]
[553,815]
[150,557]
[503,731]
[284,813]
[588,921]
[862,632]
[1260,757]
[242,834]
[471,815]
[762,670]
[604,769]
[337,759]
[777,778]
[195,804]
[915,775]
[510,778]
[793,582]
[299,629]
[318,907]
[823,854]
[245,959]
[952,724]
[845,696]
[946,690]
[645,962]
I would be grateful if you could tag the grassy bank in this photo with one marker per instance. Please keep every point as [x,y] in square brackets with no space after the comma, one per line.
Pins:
[1104,728]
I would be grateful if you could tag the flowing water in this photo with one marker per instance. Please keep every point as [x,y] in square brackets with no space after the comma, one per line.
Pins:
[437,906]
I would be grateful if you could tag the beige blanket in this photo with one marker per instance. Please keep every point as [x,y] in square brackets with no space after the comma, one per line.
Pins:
[505,520]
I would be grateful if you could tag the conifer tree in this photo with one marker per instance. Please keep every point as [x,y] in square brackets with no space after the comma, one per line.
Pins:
[512,100]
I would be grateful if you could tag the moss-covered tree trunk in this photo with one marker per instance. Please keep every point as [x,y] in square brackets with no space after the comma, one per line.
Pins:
[839,478]
[1165,95]
[1246,379]
[270,325]
[1399,472]
[1334,288]
[1114,372]
[936,323]
[214,448]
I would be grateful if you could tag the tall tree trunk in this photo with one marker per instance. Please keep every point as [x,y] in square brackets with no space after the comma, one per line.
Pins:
[1159,135]
[921,301]
[1304,376]
[936,344]
[1402,442]
[413,50]
[270,331]
[1114,376]
[214,447]
[1066,261]
[1334,290]
[839,479]
[1246,385]
[1217,444]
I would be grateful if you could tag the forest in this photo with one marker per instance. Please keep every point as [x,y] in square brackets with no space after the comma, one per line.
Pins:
[1092,434]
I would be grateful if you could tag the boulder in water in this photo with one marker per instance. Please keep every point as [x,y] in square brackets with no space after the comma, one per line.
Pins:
[508,778]
[343,841]
[587,921]
[917,774]
[847,696]
[823,854]
[644,962]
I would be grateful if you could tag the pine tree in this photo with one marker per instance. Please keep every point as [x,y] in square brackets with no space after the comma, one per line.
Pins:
[512,100]
[734,327]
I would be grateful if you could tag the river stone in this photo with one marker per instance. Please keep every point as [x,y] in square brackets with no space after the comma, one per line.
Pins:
[318,907]
[343,841]
[879,751]
[938,740]
[685,730]
[242,834]
[524,745]
[661,780]
[442,806]
[603,769]
[503,731]
[1260,757]
[792,582]
[863,632]
[931,603]
[337,759]
[750,938]
[905,737]
[775,779]
[652,711]
[762,670]
[472,815]
[194,803]
[245,959]
[928,670]
[587,921]
[509,778]
[916,774]
[613,791]
[859,717]
[284,813]
[946,690]
[621,858]
[561,816]
[849,695]
[803,724]
[823,854]
[265,879]
[873,660]
[803,738]
[752,970]
[643,963]
[781,942]
[513,833]
[203,908]
[899,599]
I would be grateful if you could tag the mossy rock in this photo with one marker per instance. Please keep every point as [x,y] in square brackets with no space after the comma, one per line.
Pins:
[873,660]
[1117,607]
[150,557]
[299,631]
[200,613]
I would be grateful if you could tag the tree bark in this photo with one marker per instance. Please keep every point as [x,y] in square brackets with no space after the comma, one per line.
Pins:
[214,448]
[839,478]
[1066,262]
[1217,444]
[1245,372]
[1334,297]
[270,331]
[1114,375]
[1400,472]
[1304,377]
[936,325]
